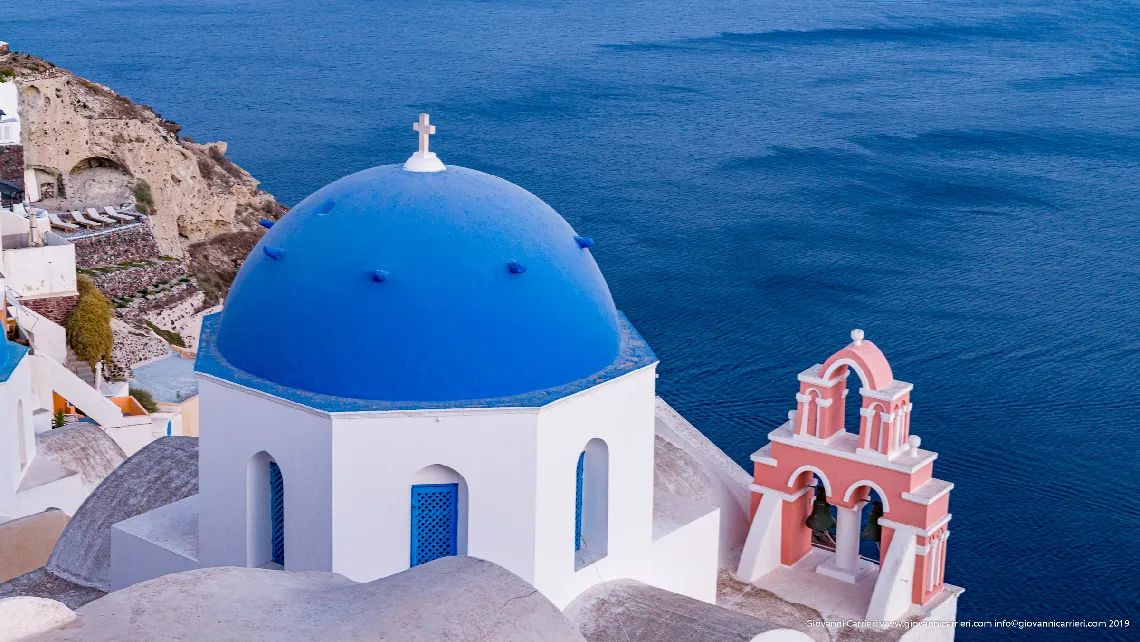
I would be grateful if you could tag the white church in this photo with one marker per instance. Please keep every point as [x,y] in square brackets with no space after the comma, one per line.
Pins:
[480,395]
[423,361]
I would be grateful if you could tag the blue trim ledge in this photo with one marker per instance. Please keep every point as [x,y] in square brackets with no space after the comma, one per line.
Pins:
[15,352]
[635,354]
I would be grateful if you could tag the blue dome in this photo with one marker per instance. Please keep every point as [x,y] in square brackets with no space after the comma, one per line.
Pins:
[394,285]
[10,356]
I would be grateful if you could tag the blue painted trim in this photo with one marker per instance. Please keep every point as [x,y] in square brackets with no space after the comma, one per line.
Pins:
[380,276]
[435,522]
[15,352]
[578,503]
[584,242]
[277,512]
[266,223]
[273,252]
[634,354]
[515,267]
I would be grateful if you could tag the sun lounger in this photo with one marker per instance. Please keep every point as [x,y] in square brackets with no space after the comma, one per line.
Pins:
[94,216]
[57,222]
[126,218]
[78,218]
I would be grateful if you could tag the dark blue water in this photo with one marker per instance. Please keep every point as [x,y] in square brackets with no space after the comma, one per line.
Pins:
[960,179]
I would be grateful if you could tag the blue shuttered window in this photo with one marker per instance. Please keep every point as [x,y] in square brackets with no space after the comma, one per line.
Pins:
[277,512]
[578,504]
[435,521]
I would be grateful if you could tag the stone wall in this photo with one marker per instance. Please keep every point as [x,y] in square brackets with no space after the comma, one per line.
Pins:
[135,243]
[56,308]
[131,280]
[12,164]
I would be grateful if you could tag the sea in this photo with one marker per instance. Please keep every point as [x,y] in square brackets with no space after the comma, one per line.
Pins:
[959,179]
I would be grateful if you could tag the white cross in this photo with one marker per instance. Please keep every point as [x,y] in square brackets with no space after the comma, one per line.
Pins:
[425,129]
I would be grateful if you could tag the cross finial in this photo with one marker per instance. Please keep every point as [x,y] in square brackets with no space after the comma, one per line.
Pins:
[424,160]
[425,129]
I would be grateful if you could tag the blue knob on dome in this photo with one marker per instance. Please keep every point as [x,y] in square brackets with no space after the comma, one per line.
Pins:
[515,267]
[380,276]
[584,241]
[273,252]
[266,223]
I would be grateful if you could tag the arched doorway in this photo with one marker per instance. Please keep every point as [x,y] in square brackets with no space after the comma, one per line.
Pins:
[438,514]
[265,512]
[592,504]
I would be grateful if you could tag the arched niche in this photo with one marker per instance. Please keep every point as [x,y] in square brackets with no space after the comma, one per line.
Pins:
[100,181]
[592,503]
[259,510]
[442,475]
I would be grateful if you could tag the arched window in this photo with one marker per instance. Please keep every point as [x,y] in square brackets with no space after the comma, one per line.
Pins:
[277,513]
[591,504]
[265,512]
[438,514]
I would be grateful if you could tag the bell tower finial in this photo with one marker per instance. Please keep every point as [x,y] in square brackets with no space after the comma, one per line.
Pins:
[857,337]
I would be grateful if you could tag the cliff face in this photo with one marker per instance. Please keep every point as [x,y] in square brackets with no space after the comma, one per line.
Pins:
[91,147]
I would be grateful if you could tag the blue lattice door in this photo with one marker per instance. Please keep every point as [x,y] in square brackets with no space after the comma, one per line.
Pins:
[277,512]
[435,521]
[578,503]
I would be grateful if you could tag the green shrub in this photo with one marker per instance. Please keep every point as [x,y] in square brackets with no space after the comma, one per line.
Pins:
[144,200]
[6,74]
[145,399]
[171,337]
[58,420]
[89,324]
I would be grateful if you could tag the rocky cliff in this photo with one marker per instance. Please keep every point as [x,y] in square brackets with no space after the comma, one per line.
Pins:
[92,147]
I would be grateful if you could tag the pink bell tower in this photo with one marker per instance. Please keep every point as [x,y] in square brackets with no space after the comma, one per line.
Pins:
[884,457]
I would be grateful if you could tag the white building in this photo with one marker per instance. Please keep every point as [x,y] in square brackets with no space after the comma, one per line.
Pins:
[472,390]
[10,117]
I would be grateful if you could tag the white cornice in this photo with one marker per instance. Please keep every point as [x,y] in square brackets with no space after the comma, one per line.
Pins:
[788,497]
[838,447]
[919,532]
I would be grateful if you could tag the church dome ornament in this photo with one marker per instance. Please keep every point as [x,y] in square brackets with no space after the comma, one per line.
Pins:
[423,160]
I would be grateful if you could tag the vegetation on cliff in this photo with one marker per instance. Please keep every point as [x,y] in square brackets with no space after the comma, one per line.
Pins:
[89,324]
[216,262]
[169,336]
[144,200]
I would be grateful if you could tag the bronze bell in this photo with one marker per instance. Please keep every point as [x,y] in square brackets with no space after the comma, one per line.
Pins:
[873,531]
[820,518]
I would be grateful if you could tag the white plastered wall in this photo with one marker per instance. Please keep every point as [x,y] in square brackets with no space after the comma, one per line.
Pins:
[237,424]
[17,401]
[620,413]
[16,405]
[377,457]
[42,271]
